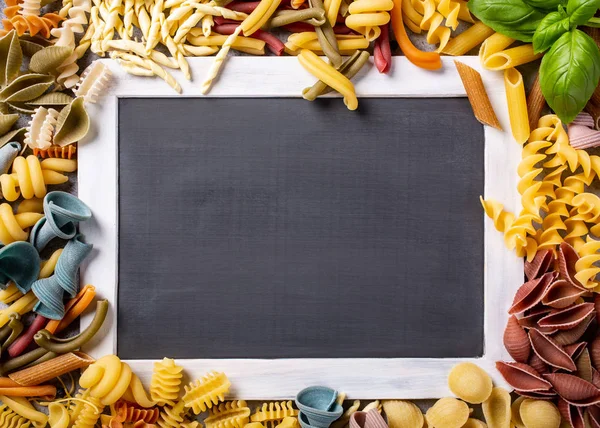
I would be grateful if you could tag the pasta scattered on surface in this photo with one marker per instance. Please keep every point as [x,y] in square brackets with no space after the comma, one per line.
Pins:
[271,414]
[470,383]
[204,393]
[166,382]
[232,414]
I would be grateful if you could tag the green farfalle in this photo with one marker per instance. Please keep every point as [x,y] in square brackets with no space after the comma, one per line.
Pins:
[7,121]
[73,123]
[11,56]
[26,88]
[49,59]
[51,99]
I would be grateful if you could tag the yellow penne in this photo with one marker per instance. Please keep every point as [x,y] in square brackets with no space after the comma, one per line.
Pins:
[495,43]
[308,40]
[510,58]
[468,40]
[330,76]
[332,8]
[517,105]
[259,16]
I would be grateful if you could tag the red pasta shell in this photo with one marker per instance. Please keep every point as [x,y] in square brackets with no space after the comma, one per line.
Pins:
[531,293]
[573,415]
[561,294]
[584,366]
[522,377]
[571,336]
[541,263]
[538,364]
[538,395]
[568,318]
[595,377]
[595,351]
[597,307]
[593,416]
[573,389]
[516,341]
[575,349]
[533,316]
[567,257]
[550,352]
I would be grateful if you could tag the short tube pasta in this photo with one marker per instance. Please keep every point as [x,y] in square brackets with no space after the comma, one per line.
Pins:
[467,40]
[510,58]
[517,105]
[259,16]
[495,43]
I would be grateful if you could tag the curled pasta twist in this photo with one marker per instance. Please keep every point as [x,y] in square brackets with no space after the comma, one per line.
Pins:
[576,230]
[495,210]
[233,414]
[172,416]
[423,15]
[58,416]
[586,270]
[31,7]
[107,379]
[129,413]
[206,392]
[519,236]
[12,227]
[66,152]
[271,414]
[29,176]
[549,236]
[528,186]
[34,25]
[93,81]
[366,16]
[10,419]
[166,382]
[88,414]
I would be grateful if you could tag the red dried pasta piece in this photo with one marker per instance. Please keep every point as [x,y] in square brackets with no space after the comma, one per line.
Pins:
[567,257]
[568,337]
[550,352]
[575,349]
[541,263]
[382,52]
[593,416]
[573,415]
[567,318]
[538,364]
[574,390]
[595,352]
[66,152]
[127,412]
[522,377]
[244,6]
[595,377]
[584,366]
[538,395]
[561,294]
[531,293]
[516,341]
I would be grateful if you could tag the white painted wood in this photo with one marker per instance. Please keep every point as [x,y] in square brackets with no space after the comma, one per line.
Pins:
[284,77]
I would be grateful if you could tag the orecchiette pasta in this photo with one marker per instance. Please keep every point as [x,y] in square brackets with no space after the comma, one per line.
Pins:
[447,413]
[470,383]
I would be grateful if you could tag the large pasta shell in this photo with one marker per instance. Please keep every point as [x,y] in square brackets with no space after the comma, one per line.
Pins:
[550,352]
[496,409]
[470,383]
[531,293]
[516,341]
[515,412]
[584,366]
[474,423]
[11,56]
[26,88]
[73,123]
[7,121]
[573,415]
[448,413]
[52,99]
[29,48]
[567,257]
[562,294]
[522,377]
[403,414]
[574,390]
[49,59]
[539,414]
[571,336]
[4,108]
[592,416]
[567,318]
[22,108]
[16,135]
[540,264]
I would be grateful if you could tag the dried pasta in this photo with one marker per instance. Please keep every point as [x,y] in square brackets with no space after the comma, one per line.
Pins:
[470,383]
[271,414]
[9,418]
[66,152]
[447,413]
[85,410]
[259,16]
[58,416]
[107,379]
[345,418]
[15,227]
[468,39]
[41,128]
[23,408]
[308,40]
[492,45]
[539,414]
[129,413]
[166,382]
[232,414]
[589,254]
[535,103]
[496,408]
[32,24]
[403,414]
[202,394]
[93,81]
[366,16]
[517,105]
[172,416]
[136,393]
[511,58]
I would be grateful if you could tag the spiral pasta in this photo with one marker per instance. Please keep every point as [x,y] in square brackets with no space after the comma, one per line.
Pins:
[107,379]
[589,254]
[233,414]
[271,414]
[32,24]
[366,16]
[166,382]
[12,227]
[206,392]
[172,416]
[10,419]
[87,414]
[66,152]
[29,176]
[128,413]
[528,186]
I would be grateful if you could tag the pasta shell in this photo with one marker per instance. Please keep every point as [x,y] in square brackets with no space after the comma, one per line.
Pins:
[550,352]
[26,87]
[470,383]
[540,264]
[516,341]
[532,318]
[448,413]
[474,423]
[15,135]
[4,108]
[575,349]
[49,59]
[30,48]
[573,415]
[574,390]
[73,123]
[595,351]
[11,56]
[539,414]
[595,378]
[561,294]
[568,337]
[522,377]
[584,366]
[538,365]
[515,412]
[403,414]
[7,121]
[567,257]
[592,416]
[22,108]
[496,409]
[52,99]
[531,293]
[568,318]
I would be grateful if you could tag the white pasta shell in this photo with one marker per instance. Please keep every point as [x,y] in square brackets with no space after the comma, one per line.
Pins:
[474,423]
[403,414]
[470,383]
[539,414]
[496,409]
[448,413]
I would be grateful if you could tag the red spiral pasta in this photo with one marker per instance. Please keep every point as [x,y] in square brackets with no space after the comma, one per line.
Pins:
[127,412]
[275,45]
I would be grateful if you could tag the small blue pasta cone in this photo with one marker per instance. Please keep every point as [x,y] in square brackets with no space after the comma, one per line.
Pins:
[8,153]
[19,263]
[50,291]
[63,212]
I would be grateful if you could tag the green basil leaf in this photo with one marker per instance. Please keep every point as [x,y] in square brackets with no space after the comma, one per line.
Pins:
[513,18]
[581,11]
[550,29]
[570,73]
[546,4]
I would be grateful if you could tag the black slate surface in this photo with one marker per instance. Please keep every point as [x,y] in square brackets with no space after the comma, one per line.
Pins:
[275,228]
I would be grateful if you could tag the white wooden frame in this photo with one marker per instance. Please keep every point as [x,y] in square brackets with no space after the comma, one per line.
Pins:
[284,77]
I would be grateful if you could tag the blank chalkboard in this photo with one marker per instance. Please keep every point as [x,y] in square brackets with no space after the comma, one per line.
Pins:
[280,228]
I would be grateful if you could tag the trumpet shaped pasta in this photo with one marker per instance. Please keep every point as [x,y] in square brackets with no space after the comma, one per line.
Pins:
[58,416]
[166,382]
[271,414]
[15,227]
[447,413]
[366,16]
[206,392]
[233,414]
[29,176]
[107,379]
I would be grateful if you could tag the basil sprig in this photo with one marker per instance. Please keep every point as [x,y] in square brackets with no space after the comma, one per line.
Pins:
[570,70]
